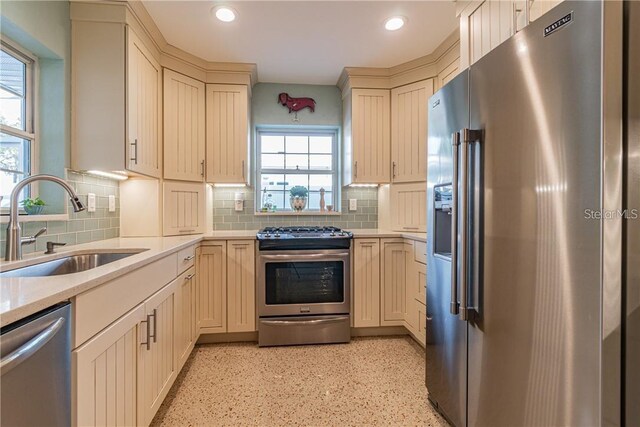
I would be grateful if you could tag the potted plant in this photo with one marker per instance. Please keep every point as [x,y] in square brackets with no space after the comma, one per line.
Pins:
[33,206]
[298,199]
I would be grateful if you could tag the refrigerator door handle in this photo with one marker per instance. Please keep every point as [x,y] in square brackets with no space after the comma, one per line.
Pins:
[454,306]
[468,137]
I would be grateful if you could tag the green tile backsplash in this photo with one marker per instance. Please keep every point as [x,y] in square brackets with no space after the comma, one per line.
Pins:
[82,227]
[225,218]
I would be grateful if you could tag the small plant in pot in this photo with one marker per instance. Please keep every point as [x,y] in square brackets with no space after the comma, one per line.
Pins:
[33,206]
[298,199]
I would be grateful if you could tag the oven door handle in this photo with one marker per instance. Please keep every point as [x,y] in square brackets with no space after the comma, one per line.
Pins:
[304,322]
[296,257]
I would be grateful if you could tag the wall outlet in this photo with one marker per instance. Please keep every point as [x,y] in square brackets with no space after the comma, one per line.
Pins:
[353,204]
[238,202]
[91,202]
[112,203]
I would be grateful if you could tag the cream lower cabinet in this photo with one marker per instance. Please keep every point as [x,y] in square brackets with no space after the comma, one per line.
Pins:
[366,283]
[241,285]
[106,374]
[211,278]
[186,317]
[157,361]
[393,270]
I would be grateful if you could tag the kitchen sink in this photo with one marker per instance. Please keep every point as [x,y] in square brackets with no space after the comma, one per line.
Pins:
[69,264]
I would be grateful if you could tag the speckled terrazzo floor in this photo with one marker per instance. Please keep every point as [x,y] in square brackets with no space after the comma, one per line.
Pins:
[369,382]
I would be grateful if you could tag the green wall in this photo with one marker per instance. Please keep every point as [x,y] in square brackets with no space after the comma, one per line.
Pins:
[44,28]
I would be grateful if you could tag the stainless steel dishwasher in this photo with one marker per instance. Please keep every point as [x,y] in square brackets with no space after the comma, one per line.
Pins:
[36,369]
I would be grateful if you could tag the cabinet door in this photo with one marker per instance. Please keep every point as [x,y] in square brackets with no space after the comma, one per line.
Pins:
[422,324]
[370,136]
[227,133]
[184,208]
[144,103]
[410,207]
[186,332]
[409,131]
[366,283]
[184,127]
[105,374]
[211,277]
[393,269]
[241,284]
[419,292]
[157,361]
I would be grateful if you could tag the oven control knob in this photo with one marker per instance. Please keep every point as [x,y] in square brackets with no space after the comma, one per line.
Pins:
[276,235]
[267,235]
[332,234]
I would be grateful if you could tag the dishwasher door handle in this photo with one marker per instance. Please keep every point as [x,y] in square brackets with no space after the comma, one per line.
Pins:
[31,347]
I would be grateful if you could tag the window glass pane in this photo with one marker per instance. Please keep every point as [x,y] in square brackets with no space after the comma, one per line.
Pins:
[272,182]
[14,156]
[320,144]
[272,161]
[297,161]
[320,162]
[314,201]
[12,91]
[297,144]
[279,200]
[320,181]
[272,143]
[293,180]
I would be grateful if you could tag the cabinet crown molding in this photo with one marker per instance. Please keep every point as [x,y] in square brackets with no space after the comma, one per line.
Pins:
[134,14]
[422,68]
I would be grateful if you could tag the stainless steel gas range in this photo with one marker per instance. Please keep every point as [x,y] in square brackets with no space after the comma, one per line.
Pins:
[303,287]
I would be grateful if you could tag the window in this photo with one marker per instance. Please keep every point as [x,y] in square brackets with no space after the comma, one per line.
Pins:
[16,120]
[290,158]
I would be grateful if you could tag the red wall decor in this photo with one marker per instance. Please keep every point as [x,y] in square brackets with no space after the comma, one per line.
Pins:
[296,104]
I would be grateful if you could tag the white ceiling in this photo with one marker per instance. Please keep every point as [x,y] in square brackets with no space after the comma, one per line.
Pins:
[305,41]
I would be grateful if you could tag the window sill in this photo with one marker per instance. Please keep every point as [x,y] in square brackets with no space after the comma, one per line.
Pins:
[4,219]
[303,213]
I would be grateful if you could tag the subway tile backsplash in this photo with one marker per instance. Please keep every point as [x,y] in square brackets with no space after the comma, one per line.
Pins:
[82,227]
[225,218]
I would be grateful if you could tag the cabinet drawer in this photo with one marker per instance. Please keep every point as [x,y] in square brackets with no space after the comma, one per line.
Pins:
[420,252]
[99,307]
[186,258]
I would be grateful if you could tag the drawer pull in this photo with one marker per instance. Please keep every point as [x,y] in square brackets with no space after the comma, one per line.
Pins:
[191,276]
[189,258]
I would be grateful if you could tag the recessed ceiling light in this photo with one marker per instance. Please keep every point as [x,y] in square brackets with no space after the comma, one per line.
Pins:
[225,13]
[394,23]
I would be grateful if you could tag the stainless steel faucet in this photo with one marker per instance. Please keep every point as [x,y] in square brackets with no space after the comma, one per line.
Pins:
[15,241]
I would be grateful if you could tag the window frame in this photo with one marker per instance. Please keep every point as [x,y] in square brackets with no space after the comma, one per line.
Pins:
[297,131]
[30,133]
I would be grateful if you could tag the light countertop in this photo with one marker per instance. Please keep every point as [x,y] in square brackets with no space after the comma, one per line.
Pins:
[23,296]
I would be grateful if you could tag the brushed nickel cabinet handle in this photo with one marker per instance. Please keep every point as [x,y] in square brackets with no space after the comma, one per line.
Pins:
[189,258]
[243,169]
[155,325]
[134,159]
[191,276]
[355,169]
[147,343]
[202,168]
[394,169]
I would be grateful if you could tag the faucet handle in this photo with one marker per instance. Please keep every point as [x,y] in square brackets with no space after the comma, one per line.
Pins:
[40,232]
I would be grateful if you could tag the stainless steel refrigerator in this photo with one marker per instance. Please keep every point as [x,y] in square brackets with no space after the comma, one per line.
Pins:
[526,156]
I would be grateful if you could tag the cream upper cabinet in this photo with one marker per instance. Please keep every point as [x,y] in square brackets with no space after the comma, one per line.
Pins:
[367,136]
[227,134]
[186,317]
[409,131]
[106,374]
[366,283]
[393,270]
[157,361]
[211,276]
[184,127]
[184,208]
[486,24]
[241,285]
[144,109]
[116,98]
